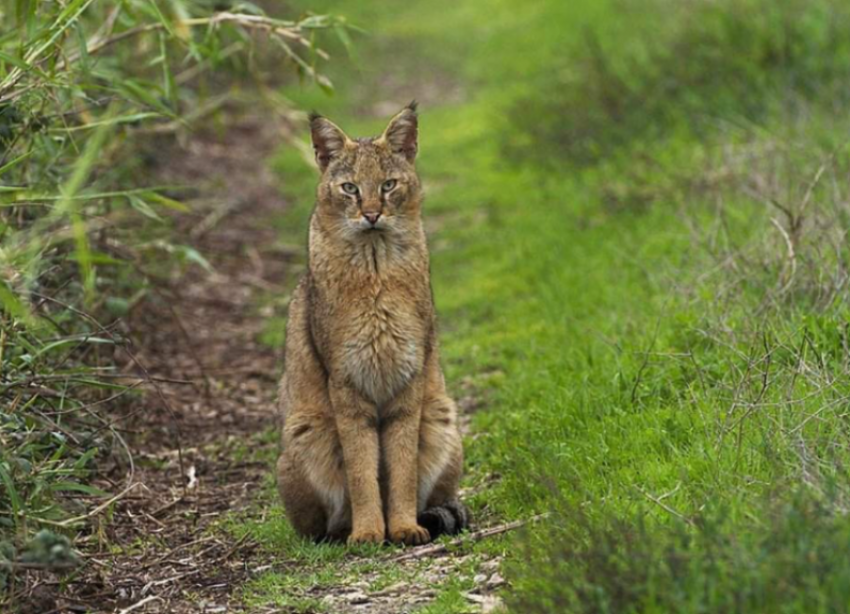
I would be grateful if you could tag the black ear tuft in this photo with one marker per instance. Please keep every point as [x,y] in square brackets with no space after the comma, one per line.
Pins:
[314,115]
[413,106]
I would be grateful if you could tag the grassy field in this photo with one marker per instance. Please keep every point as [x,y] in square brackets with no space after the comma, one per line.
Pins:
[638,219]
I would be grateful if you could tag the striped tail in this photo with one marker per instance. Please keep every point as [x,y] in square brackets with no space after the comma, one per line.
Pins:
[450,518]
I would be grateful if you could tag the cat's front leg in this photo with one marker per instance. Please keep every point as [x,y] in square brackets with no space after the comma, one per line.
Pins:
[399,434]
[357,424]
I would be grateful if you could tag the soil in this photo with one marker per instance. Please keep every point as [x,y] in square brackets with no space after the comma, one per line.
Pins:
[211,396]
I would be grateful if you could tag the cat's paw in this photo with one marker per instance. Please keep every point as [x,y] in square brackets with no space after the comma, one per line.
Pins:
[411,535]
[367,536]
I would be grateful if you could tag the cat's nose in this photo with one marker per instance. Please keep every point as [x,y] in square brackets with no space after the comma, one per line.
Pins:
[372,216]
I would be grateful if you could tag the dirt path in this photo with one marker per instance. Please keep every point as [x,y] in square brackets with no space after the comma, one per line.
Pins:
[201,440]
[188,435]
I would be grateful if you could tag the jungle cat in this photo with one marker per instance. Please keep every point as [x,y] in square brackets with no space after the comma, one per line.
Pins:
[370,443]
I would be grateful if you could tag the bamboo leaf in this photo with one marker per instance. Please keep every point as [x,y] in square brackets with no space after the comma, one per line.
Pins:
[81,171]
[168,202]
[124,119]
[10,165]
[142,207]
[13,306]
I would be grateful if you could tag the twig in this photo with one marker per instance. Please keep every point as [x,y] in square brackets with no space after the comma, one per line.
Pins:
[284,30]
[99,508]
[810,190]
[29,381]
[238,544]
[190,343]
[171,552]
[211,220]
[41,566]
[180,576]
[109,399]
[147,376]
[645,362]
[166,507]
[432,549]
[792,255]
[139,604]
[287,30]
[657,501]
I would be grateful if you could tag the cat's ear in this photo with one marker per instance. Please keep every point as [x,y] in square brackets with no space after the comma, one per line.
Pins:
[402,133]
[328,139]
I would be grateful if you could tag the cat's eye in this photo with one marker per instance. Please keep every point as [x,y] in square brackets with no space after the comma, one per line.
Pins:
[388,185]
[350,188]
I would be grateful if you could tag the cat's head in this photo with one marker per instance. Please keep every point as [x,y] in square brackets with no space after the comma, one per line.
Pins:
[368,185]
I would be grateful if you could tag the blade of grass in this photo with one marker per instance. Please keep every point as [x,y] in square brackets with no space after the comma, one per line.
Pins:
[79,175]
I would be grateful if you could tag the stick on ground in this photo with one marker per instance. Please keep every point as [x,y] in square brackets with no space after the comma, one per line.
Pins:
[434,549]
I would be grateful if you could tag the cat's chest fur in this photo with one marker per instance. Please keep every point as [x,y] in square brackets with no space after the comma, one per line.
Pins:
[382,345]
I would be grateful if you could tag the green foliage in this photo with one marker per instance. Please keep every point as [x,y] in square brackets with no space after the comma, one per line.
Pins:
[83,86]
[72,99]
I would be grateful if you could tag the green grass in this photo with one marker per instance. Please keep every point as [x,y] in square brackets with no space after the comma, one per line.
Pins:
[611,224]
